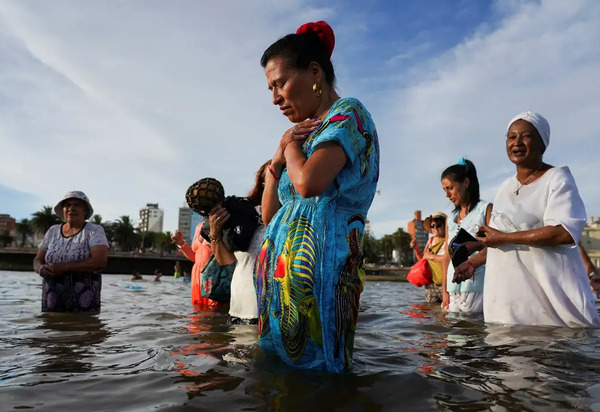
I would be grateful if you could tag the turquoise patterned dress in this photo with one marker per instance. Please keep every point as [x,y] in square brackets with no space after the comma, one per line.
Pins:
[309,274]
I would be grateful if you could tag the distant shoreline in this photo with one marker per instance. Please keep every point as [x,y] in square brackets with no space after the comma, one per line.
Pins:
[21,259]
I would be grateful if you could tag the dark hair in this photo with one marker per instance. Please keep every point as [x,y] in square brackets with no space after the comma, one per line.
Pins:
[458,173]
[255,195]
[300,50]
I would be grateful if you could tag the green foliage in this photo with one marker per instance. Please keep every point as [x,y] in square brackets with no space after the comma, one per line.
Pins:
[24,227]
[380,251]
[124,234]
[43,219]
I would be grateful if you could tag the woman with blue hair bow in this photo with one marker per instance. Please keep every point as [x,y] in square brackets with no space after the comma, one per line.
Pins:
[535,274]
[464,293]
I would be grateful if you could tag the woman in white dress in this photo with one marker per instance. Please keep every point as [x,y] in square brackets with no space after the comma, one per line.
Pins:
[535,274]
[463,287]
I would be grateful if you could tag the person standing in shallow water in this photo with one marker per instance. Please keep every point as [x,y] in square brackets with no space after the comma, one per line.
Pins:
[319,187]
[463,286]
[535,273]
[70,258]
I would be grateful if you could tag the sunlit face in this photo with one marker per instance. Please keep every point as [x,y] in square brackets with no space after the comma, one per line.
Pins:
[438,228]
[74,210]
[523,144]
[292,89]
[456,192]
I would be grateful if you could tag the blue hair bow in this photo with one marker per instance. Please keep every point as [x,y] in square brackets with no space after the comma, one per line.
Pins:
[462,161]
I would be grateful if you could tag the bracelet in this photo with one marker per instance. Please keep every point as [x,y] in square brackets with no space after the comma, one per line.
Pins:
[471,263]
[273,173]
[213,239]
[591,274]
[182,245]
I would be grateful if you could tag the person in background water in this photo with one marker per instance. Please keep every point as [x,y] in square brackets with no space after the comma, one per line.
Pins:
[177,270]
[199,253]
[321,182]
[187,278]
[435,251]
[242,306]
[535,273]
[136,276]
[463,286]
[70,258]
[157,275]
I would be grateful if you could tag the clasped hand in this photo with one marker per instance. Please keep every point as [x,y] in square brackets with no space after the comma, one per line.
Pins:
[297,133]
[49,270]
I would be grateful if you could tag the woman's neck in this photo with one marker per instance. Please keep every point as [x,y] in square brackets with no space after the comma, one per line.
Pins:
[328,99]
[528,172]
[70,228]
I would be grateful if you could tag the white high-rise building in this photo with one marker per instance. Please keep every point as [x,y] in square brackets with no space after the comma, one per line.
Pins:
[185,223]
[151,218]
[188,220]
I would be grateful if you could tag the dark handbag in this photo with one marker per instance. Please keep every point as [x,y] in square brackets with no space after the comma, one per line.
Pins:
[240,228]
[215,280]
[420,275]
[458,251]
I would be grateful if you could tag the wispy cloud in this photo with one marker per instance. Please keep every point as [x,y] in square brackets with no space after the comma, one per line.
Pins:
[133,101]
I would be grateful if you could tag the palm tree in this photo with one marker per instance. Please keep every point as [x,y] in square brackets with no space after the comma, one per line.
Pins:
[24,228]
[124,233]
[106,225]
[44,218]
[164,242]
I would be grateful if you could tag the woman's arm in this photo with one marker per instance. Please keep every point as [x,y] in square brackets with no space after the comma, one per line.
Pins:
[39,264]
[297,133]
[543,236]
[415,246]
[314,175]
[97,261]
[270,202]
[445,264]
[188,252]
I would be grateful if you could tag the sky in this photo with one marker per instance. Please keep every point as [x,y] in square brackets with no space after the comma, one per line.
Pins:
[133,101]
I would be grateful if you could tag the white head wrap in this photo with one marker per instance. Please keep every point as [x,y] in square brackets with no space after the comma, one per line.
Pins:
[538,121]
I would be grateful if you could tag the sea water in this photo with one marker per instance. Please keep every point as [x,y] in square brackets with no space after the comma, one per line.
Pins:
[149,349]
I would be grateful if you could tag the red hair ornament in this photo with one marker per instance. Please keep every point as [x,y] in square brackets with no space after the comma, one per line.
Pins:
[323,30]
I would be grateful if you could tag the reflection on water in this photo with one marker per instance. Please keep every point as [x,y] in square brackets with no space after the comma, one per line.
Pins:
[150,350]
[67,341]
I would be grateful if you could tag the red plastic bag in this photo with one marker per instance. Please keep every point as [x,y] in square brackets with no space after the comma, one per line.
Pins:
[420,275]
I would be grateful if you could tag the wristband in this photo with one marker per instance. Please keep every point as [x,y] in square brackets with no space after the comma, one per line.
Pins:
[273,173]
[471,263]
[182,245]
[591,274]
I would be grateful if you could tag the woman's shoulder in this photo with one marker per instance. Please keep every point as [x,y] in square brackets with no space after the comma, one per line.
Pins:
[93,227]
[349,104]
[560,173]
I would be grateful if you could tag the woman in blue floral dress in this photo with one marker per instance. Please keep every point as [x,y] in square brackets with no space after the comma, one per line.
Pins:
[320,185]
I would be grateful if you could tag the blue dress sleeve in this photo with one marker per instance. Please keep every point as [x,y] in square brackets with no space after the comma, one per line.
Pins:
[349,125]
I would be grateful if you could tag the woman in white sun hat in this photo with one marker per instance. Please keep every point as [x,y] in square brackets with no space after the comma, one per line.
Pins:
[70,258]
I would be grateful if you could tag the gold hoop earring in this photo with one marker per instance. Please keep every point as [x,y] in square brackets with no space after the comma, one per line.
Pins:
[317,89]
